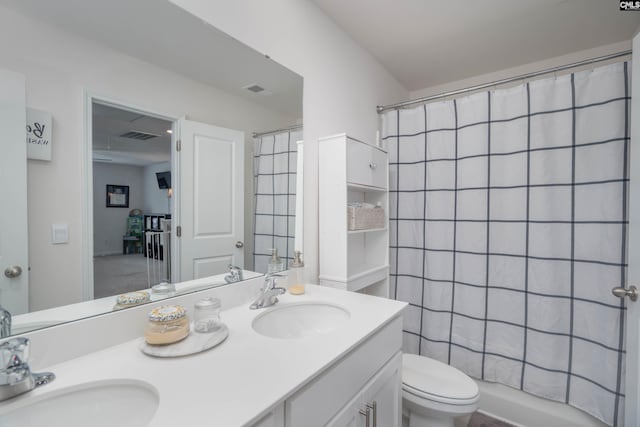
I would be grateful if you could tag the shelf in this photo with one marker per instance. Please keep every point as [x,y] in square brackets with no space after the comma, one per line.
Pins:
[359,280]
[353,172]
[361,187]
[367,230]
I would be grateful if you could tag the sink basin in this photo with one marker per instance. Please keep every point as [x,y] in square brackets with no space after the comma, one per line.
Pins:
[300,320]
[122,403]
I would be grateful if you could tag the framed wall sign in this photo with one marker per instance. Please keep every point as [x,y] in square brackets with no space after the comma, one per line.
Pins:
[38,134]
[117,196]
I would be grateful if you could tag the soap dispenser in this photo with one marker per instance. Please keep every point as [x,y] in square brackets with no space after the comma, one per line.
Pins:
[296,274]
[275,263]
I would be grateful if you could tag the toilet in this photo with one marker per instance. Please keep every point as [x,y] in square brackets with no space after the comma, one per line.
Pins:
[434,393]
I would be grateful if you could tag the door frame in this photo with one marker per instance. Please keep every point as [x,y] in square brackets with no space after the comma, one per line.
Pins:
[632,315]
[87,177]
[15,224]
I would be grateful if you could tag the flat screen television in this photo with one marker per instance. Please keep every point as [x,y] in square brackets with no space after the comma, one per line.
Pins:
[164,179]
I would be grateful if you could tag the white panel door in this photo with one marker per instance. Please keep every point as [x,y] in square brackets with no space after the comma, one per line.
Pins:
[210,199]
[14,291]
[632,394]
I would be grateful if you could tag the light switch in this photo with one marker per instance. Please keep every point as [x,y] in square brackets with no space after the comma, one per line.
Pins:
[59,234]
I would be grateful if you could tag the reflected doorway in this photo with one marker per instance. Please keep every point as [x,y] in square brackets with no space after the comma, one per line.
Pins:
[132,199]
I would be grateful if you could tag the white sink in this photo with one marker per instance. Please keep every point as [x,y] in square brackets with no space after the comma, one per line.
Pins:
[300,320]
[122,403]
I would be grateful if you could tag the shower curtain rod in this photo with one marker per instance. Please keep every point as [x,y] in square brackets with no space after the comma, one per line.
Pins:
[259,134]
[382,108]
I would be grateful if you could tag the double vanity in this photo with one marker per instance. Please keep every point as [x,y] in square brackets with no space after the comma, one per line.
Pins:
[328,357]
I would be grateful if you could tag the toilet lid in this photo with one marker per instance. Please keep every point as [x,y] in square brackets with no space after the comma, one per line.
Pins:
[437,381]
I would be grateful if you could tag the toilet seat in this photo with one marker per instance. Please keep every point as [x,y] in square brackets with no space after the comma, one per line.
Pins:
[438,382]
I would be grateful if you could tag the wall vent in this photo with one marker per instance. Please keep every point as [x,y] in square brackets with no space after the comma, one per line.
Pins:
[142,136]
[255,88]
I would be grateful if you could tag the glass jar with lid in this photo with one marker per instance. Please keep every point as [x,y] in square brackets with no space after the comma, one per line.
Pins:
[166,324]
[162,290]
[206,315]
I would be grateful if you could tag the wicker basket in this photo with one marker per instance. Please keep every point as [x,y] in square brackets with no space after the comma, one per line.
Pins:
[364,218]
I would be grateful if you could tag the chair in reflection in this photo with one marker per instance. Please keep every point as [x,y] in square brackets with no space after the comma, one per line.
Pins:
[132,241]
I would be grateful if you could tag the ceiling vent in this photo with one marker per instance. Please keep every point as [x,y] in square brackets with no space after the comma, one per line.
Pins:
[142,136]
[255,88]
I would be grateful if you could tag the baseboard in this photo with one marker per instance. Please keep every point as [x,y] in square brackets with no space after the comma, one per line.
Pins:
[107,253]
[499,418]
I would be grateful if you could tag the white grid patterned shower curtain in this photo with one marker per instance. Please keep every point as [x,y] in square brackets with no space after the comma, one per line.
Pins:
[508,230]
[275,161]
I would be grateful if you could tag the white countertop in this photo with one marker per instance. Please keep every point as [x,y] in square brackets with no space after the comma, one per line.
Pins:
[241,379]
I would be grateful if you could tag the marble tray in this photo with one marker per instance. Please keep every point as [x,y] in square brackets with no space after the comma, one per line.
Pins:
[196,342]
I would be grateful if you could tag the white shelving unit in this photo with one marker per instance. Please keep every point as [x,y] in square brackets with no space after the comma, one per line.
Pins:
[352,171]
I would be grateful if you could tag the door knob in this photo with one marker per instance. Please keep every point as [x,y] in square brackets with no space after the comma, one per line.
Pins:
[620,292]
[13,271]
[239,244]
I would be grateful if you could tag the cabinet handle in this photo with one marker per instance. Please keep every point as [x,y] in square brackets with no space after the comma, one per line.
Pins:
[374,408]
[373,165]
[367,416]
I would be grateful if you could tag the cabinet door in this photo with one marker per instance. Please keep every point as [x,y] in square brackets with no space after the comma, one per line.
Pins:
[350,415]
[384,392]
[275,418]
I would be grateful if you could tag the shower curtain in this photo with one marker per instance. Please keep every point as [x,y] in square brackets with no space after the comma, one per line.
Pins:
[508,222]
[275,160]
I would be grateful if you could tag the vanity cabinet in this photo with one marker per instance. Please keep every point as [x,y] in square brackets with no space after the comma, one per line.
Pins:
[352,171]
[380,401]
[369,373]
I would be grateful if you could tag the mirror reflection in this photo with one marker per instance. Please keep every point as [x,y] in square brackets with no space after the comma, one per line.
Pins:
[160,152]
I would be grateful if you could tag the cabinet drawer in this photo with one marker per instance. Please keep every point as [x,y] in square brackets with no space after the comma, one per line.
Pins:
[366,165]
[319,401]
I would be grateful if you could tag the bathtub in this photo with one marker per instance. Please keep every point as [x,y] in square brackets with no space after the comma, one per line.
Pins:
[522,409]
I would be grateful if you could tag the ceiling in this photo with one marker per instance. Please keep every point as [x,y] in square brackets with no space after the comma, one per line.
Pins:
[109,146]
[158,32]
[425,43]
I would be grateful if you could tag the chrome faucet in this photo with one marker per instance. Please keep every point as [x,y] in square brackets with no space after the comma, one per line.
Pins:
[5,323]
[235,274]
[15,375]
[269,293]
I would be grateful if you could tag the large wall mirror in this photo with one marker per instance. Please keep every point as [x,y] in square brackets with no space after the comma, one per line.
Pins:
[158,150]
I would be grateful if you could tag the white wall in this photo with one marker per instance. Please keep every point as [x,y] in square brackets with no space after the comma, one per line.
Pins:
[110,224]
[59,68]
[524,69]
[155,199]
[343,83]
